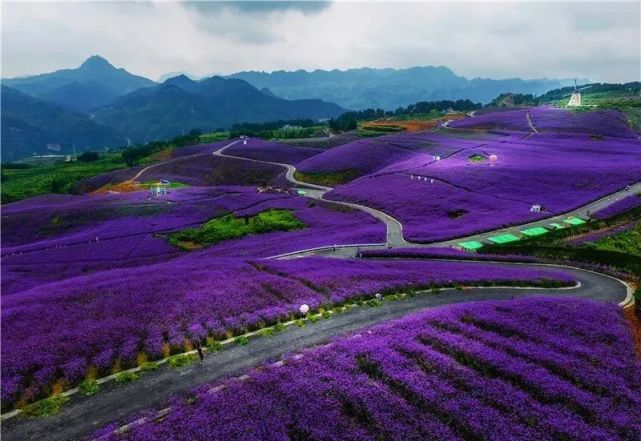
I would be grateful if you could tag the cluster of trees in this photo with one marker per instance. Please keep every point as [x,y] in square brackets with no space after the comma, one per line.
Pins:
[268,130]
[348,120]
[132,155]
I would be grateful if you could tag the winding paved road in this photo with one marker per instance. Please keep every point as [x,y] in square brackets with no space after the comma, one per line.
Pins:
[313,191]
[83,415]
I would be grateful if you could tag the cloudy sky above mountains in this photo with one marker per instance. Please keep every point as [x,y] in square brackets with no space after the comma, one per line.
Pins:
[595,40]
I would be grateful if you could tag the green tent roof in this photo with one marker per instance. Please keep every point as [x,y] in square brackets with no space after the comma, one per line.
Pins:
[503,238]
[471,245]
[534,231]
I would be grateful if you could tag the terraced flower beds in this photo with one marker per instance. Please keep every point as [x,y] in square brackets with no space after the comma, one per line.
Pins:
[605,123]
[92,325]
[79,235]
[454,197]
[543,369]
[272,151]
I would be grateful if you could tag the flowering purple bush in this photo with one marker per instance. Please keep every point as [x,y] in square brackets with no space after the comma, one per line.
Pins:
[272,151]
[610,123]
[515,120]
[129,228]
[443,253]
[215,170]
[543,369]
[455,197]
[108,317]
[621,206]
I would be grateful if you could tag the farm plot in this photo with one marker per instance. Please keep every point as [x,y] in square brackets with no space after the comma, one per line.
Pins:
[58,333]
[543,369]
[452,196]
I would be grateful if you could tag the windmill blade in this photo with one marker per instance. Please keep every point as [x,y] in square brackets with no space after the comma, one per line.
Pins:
[585,87]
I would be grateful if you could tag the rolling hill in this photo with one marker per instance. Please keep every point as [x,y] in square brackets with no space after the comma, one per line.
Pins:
[29,125]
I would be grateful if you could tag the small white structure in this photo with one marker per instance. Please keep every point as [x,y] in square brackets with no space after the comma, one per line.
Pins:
[493,159]
[436,157]
[244,142]
[575,97]
[535,208]
[304,309]
[158,191]
[431,181]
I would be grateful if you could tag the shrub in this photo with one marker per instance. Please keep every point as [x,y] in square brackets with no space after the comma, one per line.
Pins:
[148,366]
[214,346]
[180,360]
[127,377]
[45,408]
[242,340]
[89,387]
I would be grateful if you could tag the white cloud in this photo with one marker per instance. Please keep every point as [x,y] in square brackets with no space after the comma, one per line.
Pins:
[596,40]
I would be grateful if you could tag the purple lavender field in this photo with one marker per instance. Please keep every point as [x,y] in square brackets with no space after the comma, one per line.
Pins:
[447,185]
[530,369]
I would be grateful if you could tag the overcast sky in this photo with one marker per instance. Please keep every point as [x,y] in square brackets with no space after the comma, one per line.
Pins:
[595,40]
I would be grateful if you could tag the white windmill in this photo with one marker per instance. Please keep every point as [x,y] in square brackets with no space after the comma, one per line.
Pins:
[575,97]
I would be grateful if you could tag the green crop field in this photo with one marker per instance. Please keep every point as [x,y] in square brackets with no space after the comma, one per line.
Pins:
[21,183]
[230,227]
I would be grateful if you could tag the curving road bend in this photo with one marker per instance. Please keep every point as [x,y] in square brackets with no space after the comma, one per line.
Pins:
[313,191]
[84,415]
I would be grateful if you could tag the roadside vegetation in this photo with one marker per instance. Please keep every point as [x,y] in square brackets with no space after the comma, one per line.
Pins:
[231,227]
[619,251]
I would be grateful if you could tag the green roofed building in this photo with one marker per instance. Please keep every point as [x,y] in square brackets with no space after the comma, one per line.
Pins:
[503,238]
[534,231]
[471,245]
[574,220]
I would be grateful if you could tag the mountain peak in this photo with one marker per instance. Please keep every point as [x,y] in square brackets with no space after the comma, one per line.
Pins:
[182,78]
[96,62]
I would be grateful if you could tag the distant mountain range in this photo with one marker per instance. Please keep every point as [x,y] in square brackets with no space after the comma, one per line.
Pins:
[180,103]
[97,105]
[94,83]
[33,126]
[358,89]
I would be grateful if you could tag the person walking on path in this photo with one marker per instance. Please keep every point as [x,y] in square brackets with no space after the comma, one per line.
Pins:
[199,348]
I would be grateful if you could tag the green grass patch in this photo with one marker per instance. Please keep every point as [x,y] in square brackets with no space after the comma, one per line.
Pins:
[628,242]
[21,183]
[503,238]
[45,408]
[89,387]
[150,184]
[241,340]
[148,366]
[230,227]
[471,245]
[329,179]
[127,377]
[477,158]
[206,138]
[534,231]
[181,360]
